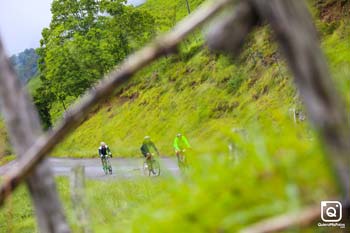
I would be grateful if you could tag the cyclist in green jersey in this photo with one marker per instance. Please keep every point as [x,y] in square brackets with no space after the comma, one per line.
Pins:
[146,148]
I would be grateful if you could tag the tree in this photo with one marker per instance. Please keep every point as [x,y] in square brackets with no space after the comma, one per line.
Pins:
[86,38]
[42,106]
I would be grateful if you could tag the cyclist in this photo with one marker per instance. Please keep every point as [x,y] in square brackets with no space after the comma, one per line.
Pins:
[180,145]
[103,152]
[146,148]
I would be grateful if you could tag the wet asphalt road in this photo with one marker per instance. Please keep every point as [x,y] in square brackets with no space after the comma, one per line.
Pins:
[122,167]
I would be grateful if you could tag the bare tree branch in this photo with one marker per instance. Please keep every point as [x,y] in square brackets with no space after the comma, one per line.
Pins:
[302,218]
[228,32]
[24,128]
[277,224]
[160,47]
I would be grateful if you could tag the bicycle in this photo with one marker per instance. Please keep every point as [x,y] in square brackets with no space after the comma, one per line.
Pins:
[151,166]
[181,159]
[106,165]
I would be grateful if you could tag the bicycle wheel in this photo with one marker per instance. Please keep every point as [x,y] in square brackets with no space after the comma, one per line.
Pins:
[109,166]
[182,163]
[155,169]
[104,166]
[145,169]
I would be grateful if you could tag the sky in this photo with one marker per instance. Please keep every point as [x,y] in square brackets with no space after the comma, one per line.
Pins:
[21,22]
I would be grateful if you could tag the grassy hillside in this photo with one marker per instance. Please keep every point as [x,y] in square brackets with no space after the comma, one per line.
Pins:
[207,97]
[168,12]
[3,145]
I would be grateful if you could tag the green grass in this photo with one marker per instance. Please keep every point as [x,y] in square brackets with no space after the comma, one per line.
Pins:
[4,144]
[168,12]
[109,204]
[222,193]
[6,159]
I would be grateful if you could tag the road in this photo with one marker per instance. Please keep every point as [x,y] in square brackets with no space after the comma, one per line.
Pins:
[122,167]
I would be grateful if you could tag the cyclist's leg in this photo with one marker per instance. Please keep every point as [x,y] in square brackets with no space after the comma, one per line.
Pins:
[149,162]
[109,165]
[152,162]
[181,158]
[184,160]
[178,157]
[103,160]
[146,160]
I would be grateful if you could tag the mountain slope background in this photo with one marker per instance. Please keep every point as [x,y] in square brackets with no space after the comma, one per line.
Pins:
[25,64]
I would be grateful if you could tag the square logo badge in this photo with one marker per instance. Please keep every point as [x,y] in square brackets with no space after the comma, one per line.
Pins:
[331,211]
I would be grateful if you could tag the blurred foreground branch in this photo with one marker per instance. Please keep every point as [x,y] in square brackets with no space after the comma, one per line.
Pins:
[283,222]
[24,128]
[78,197]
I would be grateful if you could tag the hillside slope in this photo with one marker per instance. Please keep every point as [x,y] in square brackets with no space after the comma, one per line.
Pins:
[209,98]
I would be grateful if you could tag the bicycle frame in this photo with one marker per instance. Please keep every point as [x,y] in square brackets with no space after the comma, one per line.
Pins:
[181,159]
[152,166]
[106,165]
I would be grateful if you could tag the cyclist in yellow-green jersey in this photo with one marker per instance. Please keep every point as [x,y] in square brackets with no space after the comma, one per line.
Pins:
[180,145]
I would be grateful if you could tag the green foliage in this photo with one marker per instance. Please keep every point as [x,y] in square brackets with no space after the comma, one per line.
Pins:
[235,82]
[3,136]
[44,112]
[33,84]
[86,39]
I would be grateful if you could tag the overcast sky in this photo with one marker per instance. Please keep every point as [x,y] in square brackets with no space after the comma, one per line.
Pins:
[21,22]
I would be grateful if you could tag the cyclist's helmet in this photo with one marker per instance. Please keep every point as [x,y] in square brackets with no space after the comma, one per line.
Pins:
[103,144]
[179,135]
[147,138]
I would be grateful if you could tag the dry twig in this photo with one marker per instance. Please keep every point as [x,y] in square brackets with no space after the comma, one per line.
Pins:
[283,222]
